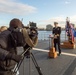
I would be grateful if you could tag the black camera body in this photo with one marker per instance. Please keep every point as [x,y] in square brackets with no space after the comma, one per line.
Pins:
[32,24]
[33,30]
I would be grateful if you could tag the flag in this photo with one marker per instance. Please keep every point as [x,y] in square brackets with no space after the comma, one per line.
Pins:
[70,31]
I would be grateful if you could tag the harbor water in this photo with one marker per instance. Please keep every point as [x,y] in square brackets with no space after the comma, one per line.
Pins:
[43,35]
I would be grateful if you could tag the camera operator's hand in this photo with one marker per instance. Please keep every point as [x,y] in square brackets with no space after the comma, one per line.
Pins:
[14,57]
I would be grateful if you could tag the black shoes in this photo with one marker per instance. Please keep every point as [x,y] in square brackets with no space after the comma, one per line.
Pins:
[59,54]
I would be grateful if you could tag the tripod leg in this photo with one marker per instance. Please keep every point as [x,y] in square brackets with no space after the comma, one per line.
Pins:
[34,61]
[23,67]
[36,65]
[18,65]
[30,64]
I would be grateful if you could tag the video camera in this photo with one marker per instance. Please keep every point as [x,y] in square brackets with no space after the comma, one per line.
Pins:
[33,33]
[33,30]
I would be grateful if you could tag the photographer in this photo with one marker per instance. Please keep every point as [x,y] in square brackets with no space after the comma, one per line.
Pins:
[8,46]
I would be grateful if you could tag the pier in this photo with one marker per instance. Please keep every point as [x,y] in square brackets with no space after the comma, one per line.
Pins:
[62,65]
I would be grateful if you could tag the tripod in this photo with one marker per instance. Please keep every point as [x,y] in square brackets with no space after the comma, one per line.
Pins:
[33,59]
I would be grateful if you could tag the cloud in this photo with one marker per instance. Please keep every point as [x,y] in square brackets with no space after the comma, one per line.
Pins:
[73,18]
[53,19]
[60,19]
[67,2]
[13,7]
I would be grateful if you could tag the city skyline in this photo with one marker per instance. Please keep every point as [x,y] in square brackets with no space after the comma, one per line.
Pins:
[42,12]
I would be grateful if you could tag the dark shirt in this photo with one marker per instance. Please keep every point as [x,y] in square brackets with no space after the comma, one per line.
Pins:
[57,30]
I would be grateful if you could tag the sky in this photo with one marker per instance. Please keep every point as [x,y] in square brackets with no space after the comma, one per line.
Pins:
[42,12]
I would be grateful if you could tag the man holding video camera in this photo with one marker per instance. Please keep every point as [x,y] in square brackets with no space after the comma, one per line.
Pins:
[9,44]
